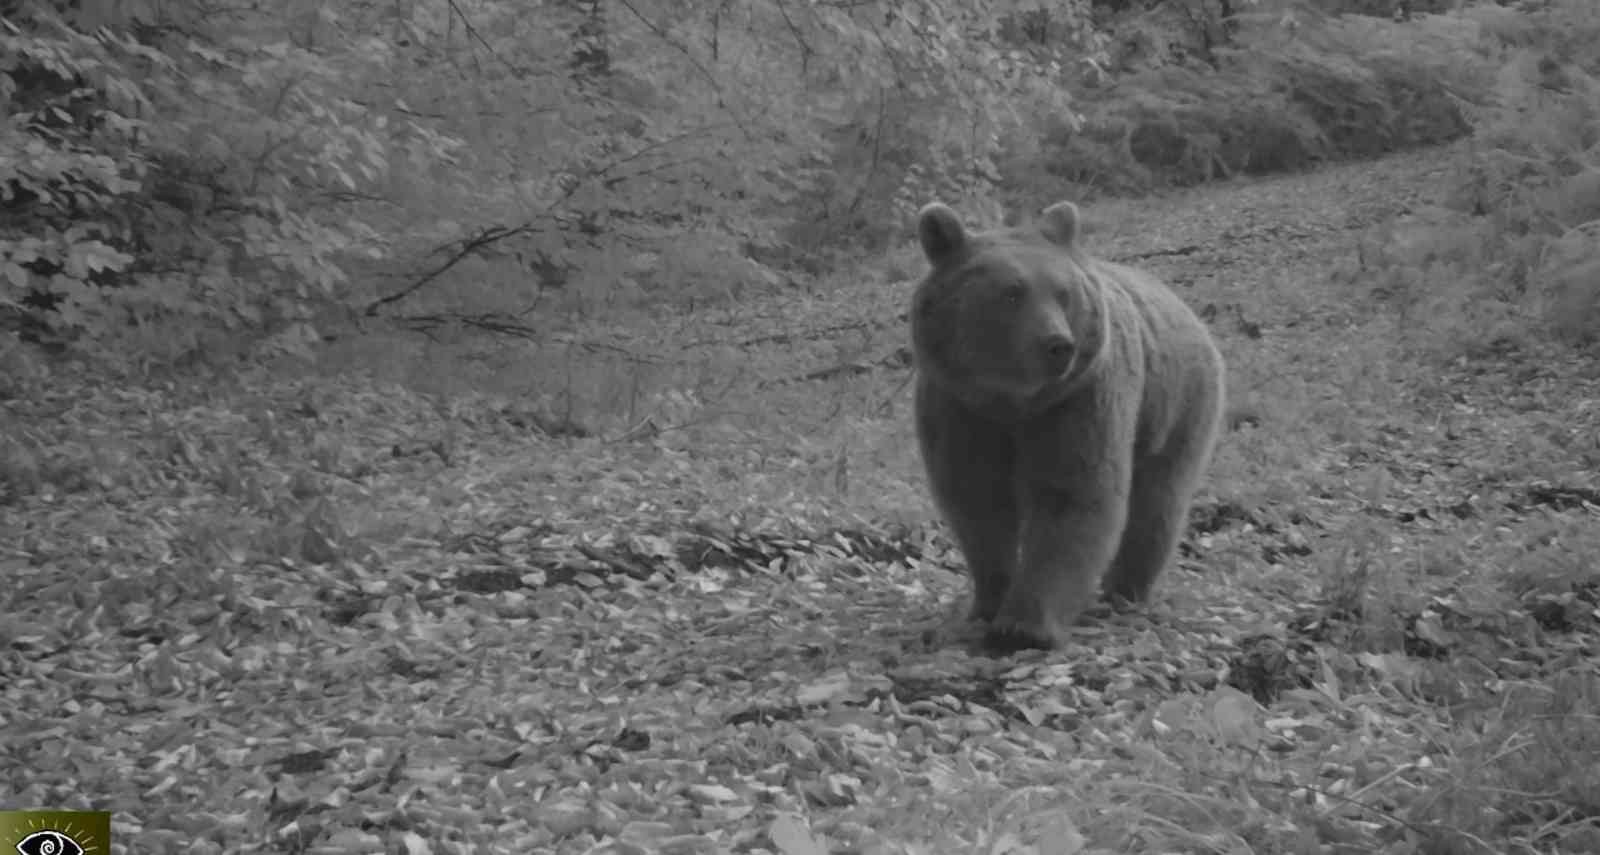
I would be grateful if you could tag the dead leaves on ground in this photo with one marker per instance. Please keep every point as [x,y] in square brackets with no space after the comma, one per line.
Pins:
[335,617]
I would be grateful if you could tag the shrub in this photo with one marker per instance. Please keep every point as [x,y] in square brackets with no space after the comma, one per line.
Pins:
[1515,247]
[1270,92]
[182,183]
[171,189]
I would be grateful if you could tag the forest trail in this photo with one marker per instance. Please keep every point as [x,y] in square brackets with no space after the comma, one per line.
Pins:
[338,615]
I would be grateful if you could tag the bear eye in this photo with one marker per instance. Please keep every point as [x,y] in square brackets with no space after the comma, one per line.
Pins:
[1013,294]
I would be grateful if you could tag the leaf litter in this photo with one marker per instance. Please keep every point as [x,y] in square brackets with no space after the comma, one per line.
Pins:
[333,615]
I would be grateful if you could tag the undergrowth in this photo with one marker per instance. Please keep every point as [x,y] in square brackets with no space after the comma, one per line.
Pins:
[1286,92]
[1509,254]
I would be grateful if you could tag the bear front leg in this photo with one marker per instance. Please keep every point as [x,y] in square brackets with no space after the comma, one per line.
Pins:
[971,463]
[1163,488]
[1066,548]
[1073,525]
[1158,512]
[987,536]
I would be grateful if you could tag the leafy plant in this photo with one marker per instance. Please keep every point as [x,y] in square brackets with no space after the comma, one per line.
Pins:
[186,183]
[1513,249]
[172,187]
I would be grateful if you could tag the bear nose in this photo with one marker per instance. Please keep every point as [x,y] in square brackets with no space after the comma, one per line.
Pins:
[1058,351]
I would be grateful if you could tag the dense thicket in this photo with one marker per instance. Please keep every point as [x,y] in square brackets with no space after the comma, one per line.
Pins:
[194,178]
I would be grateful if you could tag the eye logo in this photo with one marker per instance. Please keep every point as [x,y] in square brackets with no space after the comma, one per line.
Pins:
[55,832]
[49,843]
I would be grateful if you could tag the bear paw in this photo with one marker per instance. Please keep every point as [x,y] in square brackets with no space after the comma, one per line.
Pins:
[982,612]
[1009,636]
[1121,601]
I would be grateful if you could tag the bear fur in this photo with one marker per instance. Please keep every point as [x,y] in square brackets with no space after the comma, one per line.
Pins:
[1066,411]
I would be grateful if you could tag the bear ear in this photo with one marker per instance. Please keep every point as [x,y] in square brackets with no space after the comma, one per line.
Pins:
[1059,224]
[941,232]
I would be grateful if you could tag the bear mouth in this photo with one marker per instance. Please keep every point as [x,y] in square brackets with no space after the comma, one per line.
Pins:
[1019,397]
[1052,385]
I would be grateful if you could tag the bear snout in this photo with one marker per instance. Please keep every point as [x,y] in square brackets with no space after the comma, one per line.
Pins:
[1056,352]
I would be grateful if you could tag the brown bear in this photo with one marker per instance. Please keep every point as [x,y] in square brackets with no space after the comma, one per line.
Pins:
[1066,410]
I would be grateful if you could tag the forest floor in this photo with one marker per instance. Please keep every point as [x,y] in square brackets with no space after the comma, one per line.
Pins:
[693,599]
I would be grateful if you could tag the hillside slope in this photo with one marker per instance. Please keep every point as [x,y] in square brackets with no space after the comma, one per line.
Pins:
[340,615]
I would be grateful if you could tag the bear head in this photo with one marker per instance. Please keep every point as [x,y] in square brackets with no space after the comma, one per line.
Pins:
[1010,319]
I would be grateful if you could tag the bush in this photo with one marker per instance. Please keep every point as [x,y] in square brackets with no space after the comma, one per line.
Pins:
[1516,249]
[1281,93]
[172,190]
[182,183]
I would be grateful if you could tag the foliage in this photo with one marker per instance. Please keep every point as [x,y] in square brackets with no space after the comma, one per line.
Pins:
[1385,8]
[185,180]
[1512,250]
[271,171]
[704,142]
[1197,95]
[174,188]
